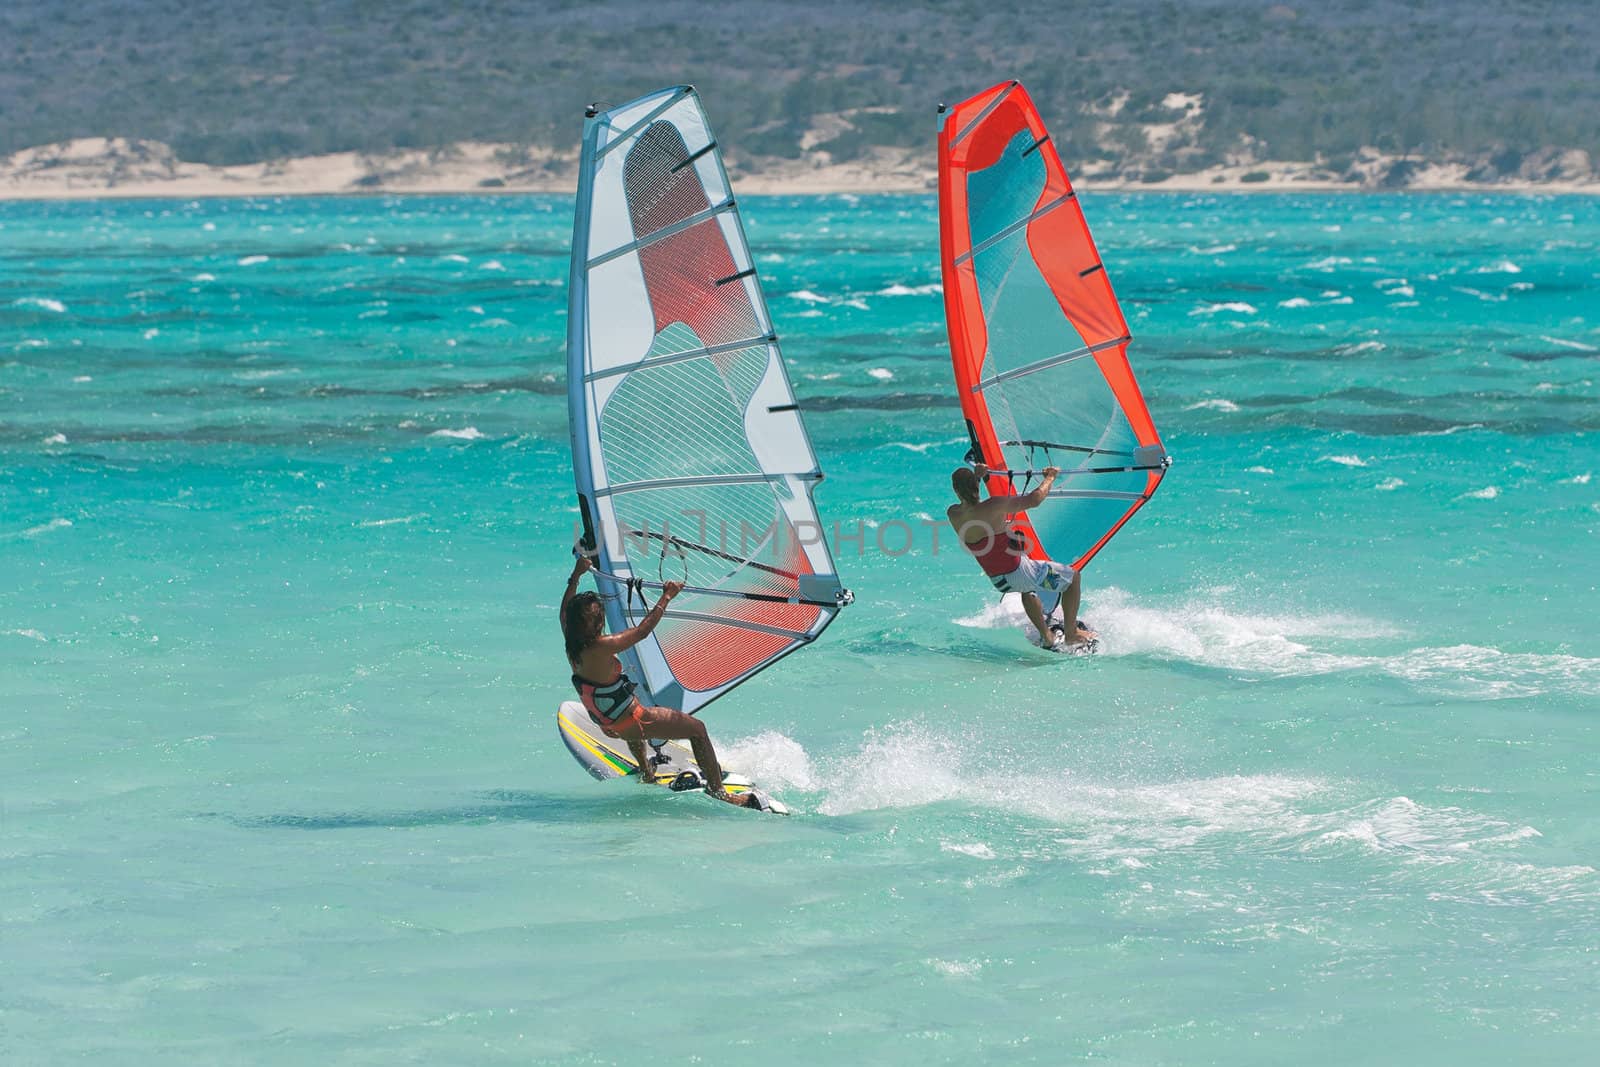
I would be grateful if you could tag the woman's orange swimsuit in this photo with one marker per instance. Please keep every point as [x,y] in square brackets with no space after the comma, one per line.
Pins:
[612,705]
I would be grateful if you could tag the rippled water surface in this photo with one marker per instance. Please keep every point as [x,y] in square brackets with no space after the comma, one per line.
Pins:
[284,506]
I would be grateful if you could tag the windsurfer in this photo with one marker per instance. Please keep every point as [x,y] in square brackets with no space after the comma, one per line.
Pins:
[612,704]
[984,527]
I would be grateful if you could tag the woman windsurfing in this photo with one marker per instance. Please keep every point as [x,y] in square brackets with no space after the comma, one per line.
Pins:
[611,703]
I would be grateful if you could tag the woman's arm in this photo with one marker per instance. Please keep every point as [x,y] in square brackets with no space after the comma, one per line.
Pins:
[579,568]
[634,634]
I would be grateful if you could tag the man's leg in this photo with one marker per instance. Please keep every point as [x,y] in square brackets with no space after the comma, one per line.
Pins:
[1069,611]
[1035,610]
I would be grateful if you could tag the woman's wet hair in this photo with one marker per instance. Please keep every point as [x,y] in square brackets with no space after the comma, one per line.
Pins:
[575,625]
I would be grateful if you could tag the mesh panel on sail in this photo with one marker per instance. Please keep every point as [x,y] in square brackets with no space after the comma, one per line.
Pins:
[683,419]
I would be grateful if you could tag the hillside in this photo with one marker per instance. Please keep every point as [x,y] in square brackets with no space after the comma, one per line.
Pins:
[1135,90]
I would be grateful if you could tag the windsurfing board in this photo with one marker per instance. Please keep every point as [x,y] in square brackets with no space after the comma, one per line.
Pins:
[1083,648]
[609,757]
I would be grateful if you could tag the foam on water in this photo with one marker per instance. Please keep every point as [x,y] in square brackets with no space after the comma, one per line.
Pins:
[773,760]
[1481,672]
[1201,630]
[44,528]
[398,521]
[40,303]
[1133,826]
[996,614]
[956,968]
[1567,343]
[900,765]
[897,289]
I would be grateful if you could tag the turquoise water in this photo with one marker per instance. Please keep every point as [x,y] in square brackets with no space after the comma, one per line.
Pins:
[284,518]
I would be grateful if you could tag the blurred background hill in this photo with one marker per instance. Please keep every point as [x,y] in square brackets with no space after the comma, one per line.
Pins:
[1134,89]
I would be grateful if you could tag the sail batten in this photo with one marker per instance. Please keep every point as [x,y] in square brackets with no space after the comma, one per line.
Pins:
[989,242]
[678,357]
[1046,364]
[691,461]
[1038,341]
[1004,91]
[702,479]
[655,112]
[663,233]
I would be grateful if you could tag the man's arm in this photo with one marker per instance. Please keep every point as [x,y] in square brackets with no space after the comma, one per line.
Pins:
[615,643]
[996,509]
[1040,492]
[579,568]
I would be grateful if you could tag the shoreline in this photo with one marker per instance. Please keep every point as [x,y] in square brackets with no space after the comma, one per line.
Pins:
[118,169]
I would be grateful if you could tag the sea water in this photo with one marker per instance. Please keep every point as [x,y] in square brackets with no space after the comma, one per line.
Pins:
[285,515]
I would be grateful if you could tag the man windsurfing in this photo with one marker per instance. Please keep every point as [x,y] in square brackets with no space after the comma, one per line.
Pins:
[984,527]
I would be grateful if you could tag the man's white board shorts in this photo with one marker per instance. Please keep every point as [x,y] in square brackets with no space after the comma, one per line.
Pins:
[1047,578]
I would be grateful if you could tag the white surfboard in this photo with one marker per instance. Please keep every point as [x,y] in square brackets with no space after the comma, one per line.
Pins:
[606,758]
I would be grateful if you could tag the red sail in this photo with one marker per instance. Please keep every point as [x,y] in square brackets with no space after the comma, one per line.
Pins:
[1038,340]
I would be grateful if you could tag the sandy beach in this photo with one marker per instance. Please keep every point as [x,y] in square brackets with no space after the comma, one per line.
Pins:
[100,168]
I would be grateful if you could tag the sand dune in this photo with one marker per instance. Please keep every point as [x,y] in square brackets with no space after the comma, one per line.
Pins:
[92,168]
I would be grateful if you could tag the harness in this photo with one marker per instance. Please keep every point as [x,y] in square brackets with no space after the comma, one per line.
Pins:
[607,702]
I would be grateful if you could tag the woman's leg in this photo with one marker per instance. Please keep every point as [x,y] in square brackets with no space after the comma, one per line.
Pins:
[664,724]
[641,756]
